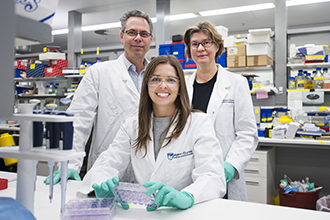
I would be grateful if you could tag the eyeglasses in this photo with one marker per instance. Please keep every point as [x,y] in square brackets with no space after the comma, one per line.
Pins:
[134,33]
[170,81]
[205,43]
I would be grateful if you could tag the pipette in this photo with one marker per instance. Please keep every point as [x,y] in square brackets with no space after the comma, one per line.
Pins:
[51,179]
[64,174]
[35,163]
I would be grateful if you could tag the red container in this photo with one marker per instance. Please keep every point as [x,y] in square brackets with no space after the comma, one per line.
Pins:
[3,183]
[305,200]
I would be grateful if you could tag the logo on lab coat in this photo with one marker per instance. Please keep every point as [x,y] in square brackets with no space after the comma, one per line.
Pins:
[172,156]
[228,101]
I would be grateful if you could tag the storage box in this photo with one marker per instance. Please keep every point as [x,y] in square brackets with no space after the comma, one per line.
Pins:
[52,56]
[53,71]
[229,41]
[222,30]
[236,61]
[58,63]
[236,51]
[258,49]
[262,60]
[258,39]
[35,70]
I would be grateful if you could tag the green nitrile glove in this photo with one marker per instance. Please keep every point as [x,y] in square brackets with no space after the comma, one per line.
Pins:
[72,175]
[167,196]
[229,171]
[105,190]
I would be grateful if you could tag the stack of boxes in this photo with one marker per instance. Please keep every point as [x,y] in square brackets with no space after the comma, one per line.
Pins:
[55,67]
[236,56]
[178,50]
[20,67]
[259,47]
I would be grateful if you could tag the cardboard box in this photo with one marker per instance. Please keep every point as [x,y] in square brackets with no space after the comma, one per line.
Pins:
[236,61]
[258,49]
[261,60]
[236,51]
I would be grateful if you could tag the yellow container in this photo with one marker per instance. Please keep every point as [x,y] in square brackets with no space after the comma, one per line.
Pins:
[7,140]
[285,119]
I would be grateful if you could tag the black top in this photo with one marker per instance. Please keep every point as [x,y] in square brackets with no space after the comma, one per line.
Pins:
[202,93]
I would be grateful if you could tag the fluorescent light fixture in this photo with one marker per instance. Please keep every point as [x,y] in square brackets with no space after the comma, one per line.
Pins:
[60,31]
[100,26]
[237,9]
[182,16]
[304,2]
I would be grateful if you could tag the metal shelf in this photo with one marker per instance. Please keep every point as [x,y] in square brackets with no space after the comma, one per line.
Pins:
[61,78]
[308,65]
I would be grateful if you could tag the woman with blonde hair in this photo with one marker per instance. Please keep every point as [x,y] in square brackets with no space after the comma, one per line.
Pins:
[226,98]
[173,150]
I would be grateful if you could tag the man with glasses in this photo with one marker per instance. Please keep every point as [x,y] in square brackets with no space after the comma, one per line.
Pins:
[109,93]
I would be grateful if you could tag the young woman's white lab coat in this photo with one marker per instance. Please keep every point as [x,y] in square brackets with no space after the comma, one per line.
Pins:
[192,162]
[105,97]
[231,109]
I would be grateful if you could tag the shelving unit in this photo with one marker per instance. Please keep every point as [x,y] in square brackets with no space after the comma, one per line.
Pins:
[308,65]
[27,30]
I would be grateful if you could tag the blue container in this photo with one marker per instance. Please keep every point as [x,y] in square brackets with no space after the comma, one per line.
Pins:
[35,70]
[18,73]
[165,49]
[38,131]
[66,133]
[222,60]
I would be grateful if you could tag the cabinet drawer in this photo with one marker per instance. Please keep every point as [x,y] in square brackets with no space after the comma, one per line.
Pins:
[256,189]
[259,158]
[253,170]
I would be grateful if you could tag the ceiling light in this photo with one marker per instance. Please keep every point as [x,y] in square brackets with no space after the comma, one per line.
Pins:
[237,9]
[60,31]
[100,26]
[182,16]
[303,2]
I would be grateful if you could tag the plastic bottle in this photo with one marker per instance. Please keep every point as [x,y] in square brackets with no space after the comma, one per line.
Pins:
[292,83]
[300,81]
[318,79]
[326,76]
[51,89]
[309,84]
[46,89]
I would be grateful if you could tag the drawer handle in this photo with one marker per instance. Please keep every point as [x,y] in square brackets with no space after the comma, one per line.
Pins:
[251,171]
[254,159]
[252,183]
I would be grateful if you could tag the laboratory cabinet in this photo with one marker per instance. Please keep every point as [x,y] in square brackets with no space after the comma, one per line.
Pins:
[260,176]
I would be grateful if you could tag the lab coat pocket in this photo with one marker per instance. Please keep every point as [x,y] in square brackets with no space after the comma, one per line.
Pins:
[179,172]
[224,122]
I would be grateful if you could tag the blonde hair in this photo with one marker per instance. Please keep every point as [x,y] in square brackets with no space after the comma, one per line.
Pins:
[207,28]
[182,105]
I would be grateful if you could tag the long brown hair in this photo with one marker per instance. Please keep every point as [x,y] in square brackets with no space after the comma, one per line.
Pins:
[182,105]
[207,28]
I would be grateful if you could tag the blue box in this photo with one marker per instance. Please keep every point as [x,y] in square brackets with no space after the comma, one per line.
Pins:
[165,49]
[178,50]
[35,70]
[18,73]
[222,60]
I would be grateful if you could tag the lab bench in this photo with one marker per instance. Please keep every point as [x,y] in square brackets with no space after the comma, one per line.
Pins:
[214,209]
[298,158]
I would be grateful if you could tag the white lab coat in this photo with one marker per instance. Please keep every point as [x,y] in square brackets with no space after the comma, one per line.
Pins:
[192,162]
[106,96]
[231,109]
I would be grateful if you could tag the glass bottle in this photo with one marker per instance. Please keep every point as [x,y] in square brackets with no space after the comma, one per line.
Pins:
[300,81]
[292,83]
[309,84]
[51,88]
[326,76]
[318,79]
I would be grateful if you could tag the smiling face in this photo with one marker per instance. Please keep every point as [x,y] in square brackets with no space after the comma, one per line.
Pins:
[136,47]
[163,96]
[203,55]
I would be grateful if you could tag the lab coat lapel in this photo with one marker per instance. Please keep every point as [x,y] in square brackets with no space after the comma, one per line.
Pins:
[220,90]
[150,145]
[126,77]
[190,85]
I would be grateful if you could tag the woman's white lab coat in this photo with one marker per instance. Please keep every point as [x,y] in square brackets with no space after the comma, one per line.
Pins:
[192,162]
[105,97]
[231,109]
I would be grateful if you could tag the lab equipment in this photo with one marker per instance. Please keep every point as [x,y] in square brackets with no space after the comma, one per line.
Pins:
[168,196]
[229,171]
[7,140]
[318,79]
[292,83]
[65,132]
[38,131]
[91,208]
[326,76]
[300,81]
[51,180]
[72,174]
[309,83]
[64,174]
[128,193]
